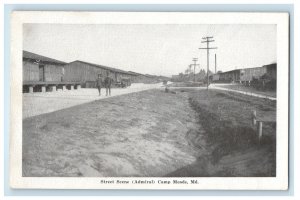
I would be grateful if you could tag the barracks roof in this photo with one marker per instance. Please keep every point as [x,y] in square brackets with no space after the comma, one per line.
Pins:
[105,67]
[33,56]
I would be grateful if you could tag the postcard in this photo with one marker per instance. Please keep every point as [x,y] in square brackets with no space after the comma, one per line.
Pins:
[149,100]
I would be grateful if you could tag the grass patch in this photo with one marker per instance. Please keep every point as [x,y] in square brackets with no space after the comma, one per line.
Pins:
[226,119]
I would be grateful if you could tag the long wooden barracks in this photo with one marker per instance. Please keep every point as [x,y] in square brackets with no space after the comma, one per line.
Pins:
[41,74]
[245,75]
[86,73]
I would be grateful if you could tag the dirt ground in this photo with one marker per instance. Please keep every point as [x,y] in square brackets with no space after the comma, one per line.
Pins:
[139,134]
[150,134]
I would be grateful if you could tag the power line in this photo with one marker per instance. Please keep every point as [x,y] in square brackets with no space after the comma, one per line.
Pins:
[207,40]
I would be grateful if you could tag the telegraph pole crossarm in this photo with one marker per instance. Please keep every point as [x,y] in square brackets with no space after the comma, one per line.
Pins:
[209,48]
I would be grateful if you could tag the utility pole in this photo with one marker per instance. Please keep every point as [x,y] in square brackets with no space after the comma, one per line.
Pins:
[190,68]
[215,63]
[195,61]
[207,40]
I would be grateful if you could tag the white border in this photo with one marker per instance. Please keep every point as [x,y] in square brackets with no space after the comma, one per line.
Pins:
[280,182]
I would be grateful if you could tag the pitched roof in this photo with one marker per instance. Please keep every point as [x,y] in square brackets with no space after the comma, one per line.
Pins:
[139,74]
[271,65]
[135,73]
[33,56]
[105,67]
[234,70]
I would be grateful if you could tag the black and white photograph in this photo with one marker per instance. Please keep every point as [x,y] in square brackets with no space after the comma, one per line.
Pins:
[151,104]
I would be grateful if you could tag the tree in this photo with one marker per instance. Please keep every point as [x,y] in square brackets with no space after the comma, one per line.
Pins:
[201,75]
[210,72]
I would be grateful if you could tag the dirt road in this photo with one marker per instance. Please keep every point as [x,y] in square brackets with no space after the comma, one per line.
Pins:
[239,88]
[40,103]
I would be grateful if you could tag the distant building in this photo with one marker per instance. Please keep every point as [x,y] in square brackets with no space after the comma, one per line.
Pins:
[249,73]
[198,77]
[214,77]
[175,77]
[41,74]
[245,75]
[271,70]
[230,76]
[144,78]
[87,73]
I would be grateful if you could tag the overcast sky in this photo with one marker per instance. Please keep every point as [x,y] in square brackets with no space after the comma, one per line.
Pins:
[154,49]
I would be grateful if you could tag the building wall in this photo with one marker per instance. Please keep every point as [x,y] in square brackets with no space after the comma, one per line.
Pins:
[30,71]
[272,71]
[250,73]
[245,75]
[77,71]
[88,74]
[52,72]
[230,76]
[144,79]
[117,77]
[123,75]
[215,77]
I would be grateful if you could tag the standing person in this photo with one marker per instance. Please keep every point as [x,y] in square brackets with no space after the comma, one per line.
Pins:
[99,83]
[107,83]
